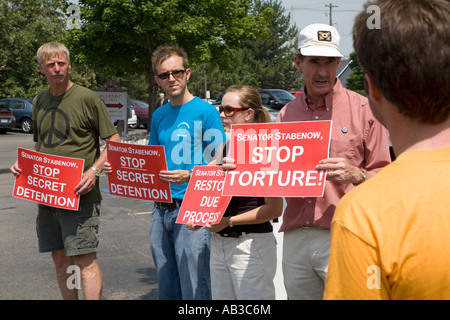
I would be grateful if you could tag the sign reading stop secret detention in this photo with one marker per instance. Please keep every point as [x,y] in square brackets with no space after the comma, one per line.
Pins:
[203,202]
[48,179]
[135,171]
[278,159]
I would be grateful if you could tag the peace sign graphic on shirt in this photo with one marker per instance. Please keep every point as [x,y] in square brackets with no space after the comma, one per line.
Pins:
[52,137]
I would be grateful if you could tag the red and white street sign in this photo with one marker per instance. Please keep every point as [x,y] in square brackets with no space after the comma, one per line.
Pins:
[203,201]
[135,171]
[116,104]
[278,159]
[116,100]
[48,179]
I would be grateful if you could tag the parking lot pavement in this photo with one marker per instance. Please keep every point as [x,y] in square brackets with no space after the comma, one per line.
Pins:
[124,254]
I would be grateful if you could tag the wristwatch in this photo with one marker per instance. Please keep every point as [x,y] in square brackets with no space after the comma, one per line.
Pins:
[97,173]
[363,175]
[230,224]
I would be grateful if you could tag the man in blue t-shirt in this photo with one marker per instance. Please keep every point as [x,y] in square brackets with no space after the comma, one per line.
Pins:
[190,130]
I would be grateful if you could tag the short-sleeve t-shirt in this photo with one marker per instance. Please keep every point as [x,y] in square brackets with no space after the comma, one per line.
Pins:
[190,134]
[390,235]
[71,125]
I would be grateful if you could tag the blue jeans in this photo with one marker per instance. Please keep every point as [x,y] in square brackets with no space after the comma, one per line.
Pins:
[181,257]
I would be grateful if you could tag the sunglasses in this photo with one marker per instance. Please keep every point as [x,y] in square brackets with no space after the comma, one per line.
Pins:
[176,74]
[230,111]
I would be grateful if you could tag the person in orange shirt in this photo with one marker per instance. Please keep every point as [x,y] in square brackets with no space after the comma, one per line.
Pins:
[389,236]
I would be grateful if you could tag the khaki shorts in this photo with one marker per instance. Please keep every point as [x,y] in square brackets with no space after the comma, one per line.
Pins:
[243,268]
[74,231]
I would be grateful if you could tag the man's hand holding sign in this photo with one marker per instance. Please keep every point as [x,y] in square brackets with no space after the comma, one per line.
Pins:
[339,170]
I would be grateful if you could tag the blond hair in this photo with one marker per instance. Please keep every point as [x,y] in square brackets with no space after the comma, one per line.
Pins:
[251,99]
[51,49]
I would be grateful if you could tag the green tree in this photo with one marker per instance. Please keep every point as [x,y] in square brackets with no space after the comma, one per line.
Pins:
[268,62]
[121,36]
[356,80]
[217,79]
[265,62]
[26,24]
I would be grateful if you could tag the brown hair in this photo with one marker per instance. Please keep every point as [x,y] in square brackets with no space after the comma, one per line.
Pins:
[250,98]
[166,51]
[408,57]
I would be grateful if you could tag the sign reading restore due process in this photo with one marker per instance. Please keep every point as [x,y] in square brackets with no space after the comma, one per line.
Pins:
[203,202]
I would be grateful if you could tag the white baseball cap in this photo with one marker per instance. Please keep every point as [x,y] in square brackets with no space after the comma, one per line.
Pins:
[319,40]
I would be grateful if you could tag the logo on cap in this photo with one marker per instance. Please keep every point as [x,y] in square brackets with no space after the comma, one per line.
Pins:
[324,36]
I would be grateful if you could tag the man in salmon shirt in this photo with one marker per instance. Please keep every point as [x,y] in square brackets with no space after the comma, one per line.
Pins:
[359,149]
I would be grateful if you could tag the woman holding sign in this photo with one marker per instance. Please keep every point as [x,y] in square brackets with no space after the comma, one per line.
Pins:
[243,248]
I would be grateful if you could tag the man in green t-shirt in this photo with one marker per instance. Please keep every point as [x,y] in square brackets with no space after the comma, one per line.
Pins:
[69,120]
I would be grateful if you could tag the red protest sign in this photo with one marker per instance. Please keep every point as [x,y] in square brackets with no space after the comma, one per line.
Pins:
[203,201]
[48,179]
[278,159]
[135,171]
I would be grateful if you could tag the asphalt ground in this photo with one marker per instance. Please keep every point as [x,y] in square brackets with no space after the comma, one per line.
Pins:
[124,254]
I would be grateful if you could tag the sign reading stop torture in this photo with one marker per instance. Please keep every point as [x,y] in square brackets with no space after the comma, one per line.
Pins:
[278,159]
[203,202]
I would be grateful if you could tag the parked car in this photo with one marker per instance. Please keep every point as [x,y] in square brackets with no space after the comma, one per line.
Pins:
[132,118]
[271,98]
[218,100]
[273,113]
[141,110]
[22,108]
[132,121]
[275,98]
[295,93]
[7,120]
